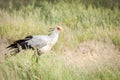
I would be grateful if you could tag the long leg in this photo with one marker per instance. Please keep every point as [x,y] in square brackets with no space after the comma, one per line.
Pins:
[39,52]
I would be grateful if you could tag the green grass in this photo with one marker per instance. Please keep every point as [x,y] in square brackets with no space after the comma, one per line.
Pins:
[82,21]
[50,67]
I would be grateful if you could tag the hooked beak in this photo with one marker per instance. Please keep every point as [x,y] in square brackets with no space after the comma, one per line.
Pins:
[51,29]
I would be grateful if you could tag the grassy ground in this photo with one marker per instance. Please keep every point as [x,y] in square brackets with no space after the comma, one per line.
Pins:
[88,48]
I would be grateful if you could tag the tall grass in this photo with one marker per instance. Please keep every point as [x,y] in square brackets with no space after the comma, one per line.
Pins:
[81,20]
[84,23]
[53,67]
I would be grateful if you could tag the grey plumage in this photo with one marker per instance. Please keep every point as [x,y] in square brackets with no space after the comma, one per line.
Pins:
[42,43]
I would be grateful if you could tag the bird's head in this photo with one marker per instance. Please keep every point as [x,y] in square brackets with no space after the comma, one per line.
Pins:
[58,28]
[55,31]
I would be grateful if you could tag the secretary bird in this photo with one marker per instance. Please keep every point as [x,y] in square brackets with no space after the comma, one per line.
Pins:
[42,43]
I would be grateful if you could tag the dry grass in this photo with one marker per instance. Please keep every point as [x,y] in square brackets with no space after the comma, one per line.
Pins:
[90,54]
[87,49]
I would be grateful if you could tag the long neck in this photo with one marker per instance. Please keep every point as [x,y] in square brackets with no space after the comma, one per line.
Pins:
[54,34]
[54,37]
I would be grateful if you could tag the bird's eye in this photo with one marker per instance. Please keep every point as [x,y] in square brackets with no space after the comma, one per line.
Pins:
[58,28]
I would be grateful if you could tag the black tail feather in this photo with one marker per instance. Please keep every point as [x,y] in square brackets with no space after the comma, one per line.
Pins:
[20,44]
[12,46]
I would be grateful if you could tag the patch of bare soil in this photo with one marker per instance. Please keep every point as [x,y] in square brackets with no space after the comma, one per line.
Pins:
[93,54]
[3,45]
